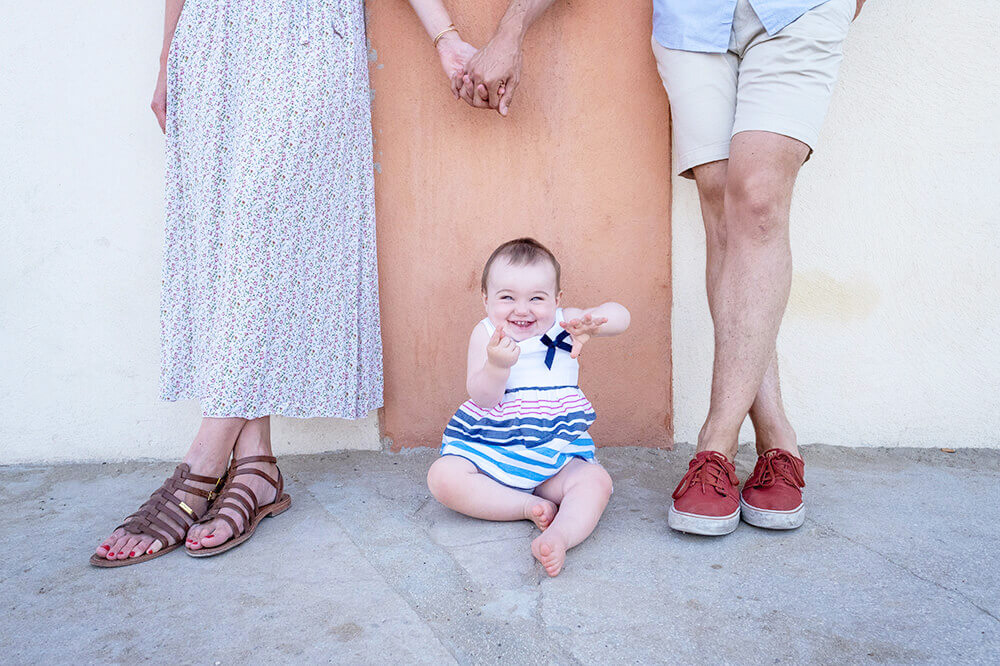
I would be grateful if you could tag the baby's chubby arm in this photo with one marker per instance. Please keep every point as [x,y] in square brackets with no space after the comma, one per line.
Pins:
[490,361]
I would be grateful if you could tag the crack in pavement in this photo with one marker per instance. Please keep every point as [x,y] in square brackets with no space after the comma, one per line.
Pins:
[379,570]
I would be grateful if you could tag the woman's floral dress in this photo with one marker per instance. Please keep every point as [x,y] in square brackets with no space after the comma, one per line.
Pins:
[270,287]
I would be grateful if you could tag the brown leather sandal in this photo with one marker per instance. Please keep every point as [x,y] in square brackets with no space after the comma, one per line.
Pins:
[146,522]
[246,508]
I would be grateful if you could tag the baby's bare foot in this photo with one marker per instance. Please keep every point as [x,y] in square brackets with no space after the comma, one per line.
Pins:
[550,550]
[539,511]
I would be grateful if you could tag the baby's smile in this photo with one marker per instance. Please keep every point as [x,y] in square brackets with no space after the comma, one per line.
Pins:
[522,325]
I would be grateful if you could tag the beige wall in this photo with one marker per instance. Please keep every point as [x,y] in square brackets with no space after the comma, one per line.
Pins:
[577,164]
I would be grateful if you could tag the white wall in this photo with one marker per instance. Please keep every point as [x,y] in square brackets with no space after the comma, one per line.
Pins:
[81,212]
[891,335]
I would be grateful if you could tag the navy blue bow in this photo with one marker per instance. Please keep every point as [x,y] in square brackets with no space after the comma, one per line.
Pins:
[559,342]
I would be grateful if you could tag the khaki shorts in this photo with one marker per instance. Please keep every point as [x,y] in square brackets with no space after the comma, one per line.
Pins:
[778,83]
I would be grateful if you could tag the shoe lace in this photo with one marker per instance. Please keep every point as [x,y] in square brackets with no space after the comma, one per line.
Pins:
[775,466]
[709,470]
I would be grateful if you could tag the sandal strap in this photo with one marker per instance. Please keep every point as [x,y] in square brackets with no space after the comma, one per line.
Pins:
[253,497]
[252,459]
[146,521]
[256,472]
[245,504]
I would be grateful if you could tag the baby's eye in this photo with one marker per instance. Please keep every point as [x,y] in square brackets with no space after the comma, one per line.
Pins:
[537,298]
[506,298]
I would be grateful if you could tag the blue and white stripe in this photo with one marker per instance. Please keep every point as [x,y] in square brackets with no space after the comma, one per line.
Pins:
[538,427]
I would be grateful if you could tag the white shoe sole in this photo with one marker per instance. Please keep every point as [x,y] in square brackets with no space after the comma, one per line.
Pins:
[773,520]
[692,523]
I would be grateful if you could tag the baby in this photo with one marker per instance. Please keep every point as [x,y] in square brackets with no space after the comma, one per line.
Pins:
[518,449]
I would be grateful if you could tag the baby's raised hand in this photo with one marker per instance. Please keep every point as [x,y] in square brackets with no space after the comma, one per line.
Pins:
[581,330]
[501,351]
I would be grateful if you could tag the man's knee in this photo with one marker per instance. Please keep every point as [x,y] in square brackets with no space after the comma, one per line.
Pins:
[756,204]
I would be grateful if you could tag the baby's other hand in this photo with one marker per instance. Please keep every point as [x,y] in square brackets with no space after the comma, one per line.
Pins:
[501,351]
[581,330]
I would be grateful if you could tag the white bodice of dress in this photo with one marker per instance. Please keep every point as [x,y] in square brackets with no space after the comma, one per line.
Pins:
[530,369]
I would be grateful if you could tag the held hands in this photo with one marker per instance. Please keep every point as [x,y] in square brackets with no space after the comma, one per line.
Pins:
[581,330]
[501,351]
[492,75]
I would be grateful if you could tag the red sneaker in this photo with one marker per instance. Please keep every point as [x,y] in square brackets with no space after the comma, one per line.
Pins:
[706,500]
[772,496]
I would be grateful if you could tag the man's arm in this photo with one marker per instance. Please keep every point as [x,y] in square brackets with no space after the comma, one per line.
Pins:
[493,73]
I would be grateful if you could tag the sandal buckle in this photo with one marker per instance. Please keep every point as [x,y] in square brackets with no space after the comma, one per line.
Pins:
[188,510]
[214,492]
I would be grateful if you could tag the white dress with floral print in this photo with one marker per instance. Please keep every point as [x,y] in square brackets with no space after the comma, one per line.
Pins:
[270,297]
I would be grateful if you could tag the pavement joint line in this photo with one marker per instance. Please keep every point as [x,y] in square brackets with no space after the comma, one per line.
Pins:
[479,543]
[379,570]
[907,570]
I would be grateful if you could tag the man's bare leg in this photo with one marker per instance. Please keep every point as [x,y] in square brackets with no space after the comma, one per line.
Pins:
[753,280]
[771,426]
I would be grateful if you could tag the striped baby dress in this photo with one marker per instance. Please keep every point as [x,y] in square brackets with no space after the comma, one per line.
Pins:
[540,424]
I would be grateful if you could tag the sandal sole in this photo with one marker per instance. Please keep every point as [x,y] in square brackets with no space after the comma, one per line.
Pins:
[272,509]
[104,563]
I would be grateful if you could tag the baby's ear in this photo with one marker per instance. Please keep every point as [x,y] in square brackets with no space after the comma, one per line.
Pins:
[559,298]
[485,301]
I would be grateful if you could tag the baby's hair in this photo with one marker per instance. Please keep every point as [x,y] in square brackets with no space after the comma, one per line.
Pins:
[521,252]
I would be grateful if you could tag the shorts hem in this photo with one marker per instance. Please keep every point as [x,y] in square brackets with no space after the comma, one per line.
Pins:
[783,125]
[703,155]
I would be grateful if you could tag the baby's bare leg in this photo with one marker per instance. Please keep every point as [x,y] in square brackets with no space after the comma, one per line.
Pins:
[458,484]
[581,489]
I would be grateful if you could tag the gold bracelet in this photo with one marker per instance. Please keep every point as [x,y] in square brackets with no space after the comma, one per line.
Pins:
[443,32]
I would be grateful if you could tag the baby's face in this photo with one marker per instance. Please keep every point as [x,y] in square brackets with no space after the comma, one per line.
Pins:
[522,299]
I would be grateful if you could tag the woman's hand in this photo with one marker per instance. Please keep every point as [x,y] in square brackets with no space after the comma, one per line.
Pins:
[581,330]
[159,103]
[454,54]
[501,351]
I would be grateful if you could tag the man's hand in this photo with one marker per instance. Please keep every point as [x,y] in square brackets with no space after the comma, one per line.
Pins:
[492,74]
[501,351]
[581,330]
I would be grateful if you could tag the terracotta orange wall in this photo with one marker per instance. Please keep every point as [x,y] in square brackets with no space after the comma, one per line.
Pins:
[581,163]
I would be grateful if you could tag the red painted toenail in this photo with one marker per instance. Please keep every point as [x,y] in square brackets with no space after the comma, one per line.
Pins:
[105,547]
[132,554]
[150,552]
